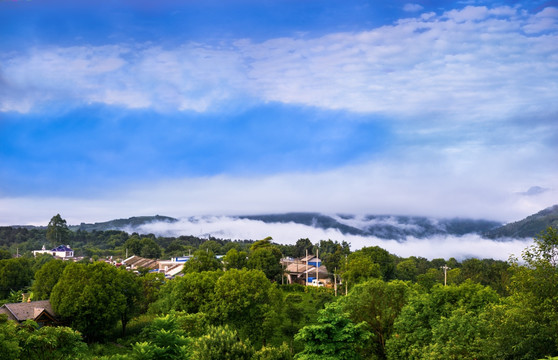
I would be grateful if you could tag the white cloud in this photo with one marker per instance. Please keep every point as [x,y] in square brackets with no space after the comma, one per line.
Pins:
[288,233]
[410,7]
[468,182]
[469,64]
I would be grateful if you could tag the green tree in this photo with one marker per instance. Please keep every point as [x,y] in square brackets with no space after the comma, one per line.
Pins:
[235,259]
[359,267]
[149,248]
[15,274]
[415,331]
[46,278]
[202,260]
[407,270]
[246,300]
[529,317]
[57,231]
[264,243]
[164,340]
[301,246]
[91,298]
[335,337]
[10,348]
[219,343]
[212,246]
[268,260]
[273,353]
[377,303]
[131,287]
[294,314]
[133,245]
[5,254]
[54,342]
[191,293]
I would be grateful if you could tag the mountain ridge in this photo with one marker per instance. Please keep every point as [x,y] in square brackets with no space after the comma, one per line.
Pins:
[531,226]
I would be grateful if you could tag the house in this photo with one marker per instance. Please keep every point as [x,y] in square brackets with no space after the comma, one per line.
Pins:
[306,268]
[172,267]
[62,251]
[136,262]
[39,311]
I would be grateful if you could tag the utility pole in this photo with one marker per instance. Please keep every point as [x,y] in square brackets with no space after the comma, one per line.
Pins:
[346,282]
[306,269]
[317,266]
[335,280]
[445,268]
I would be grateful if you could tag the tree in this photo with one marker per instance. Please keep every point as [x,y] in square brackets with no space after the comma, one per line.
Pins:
[191,293]
[202,260]
[235,259]
[9,342]
[46,278]
[15,274]
[383,258]
[57,231]
[221,342]
[335,337]
[164,340]
[268,260]
[130,286]
[301,246]
[261,243]
[377,303]
[5,254]
[212,246]
[294,314]
[359,267]
[415,329]
[54,342]
[246,300]
[407,270]
[273,353]
[133,245]
[92,298]
[149,248]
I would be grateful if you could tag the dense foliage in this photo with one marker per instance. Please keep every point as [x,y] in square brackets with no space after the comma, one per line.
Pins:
[386,307]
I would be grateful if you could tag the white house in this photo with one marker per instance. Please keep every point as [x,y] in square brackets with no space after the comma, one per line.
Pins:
[62,251]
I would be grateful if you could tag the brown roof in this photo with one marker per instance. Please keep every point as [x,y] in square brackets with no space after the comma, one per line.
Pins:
[26,310]
[298,268]
[138,262]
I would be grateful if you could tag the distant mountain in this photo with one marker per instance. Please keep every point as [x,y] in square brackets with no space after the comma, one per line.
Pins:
[120,224]
[383,226]
[529,227]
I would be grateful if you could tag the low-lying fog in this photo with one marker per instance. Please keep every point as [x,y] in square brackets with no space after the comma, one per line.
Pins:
[224,227]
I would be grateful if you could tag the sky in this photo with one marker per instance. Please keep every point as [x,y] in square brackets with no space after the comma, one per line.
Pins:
[124,108]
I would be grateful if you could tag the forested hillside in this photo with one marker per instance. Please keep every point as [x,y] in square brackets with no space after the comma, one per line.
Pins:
[378,306]
[529,226]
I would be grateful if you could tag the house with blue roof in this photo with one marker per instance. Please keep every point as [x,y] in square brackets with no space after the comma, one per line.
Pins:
[62,251]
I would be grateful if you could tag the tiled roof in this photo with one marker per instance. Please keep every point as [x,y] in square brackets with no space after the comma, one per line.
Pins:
[62,248]
[137,262]
[27,310]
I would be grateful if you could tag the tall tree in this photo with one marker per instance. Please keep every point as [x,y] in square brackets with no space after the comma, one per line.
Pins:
[235,259]
[378,304]
[46,278]
[246,300]
[15,274]
[92,298]
[335,337]
[202,260]
[57,231]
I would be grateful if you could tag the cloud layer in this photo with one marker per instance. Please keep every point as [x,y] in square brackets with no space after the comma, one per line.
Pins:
[474,63]
[437,247]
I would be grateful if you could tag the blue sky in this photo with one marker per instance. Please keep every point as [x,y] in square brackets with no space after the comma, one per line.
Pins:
[181,108]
